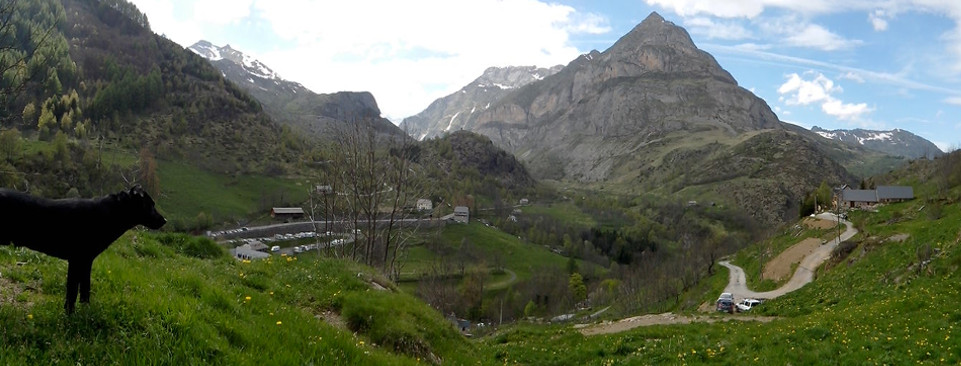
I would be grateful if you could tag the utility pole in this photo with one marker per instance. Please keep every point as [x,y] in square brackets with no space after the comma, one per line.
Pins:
[837,212]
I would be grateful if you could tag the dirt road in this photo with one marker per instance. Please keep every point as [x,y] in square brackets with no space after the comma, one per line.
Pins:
[659,319]
[737,283]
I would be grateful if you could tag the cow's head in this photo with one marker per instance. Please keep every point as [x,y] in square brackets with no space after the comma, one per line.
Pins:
[142,208]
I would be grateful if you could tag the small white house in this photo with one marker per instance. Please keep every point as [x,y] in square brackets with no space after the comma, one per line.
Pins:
[462,214]
[246,252]
[424,204]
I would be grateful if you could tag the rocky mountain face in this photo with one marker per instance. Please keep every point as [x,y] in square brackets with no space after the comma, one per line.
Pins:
[650,83]
[895,142]
[450,113]
[290,102]
[653,113]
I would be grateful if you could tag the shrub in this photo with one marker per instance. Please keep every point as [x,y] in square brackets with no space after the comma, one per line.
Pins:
[842,251]
[193,246]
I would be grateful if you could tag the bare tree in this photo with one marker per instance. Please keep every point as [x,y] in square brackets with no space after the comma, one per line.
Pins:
[376,181]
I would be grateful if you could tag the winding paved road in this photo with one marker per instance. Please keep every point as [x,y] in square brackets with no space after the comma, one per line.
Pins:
[737,284]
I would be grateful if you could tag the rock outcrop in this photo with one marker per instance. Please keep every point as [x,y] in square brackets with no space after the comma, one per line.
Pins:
[291,103]
[452,112]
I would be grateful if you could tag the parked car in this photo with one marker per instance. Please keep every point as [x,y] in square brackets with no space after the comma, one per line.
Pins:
[275,248]
[725,305]
[747,304]
[726,296]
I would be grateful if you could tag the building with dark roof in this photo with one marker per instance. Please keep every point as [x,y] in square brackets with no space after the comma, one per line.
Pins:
[883,194]
[287,213]
[895,193]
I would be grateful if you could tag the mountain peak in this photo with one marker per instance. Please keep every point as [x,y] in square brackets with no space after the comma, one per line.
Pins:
[249,64]
[654,17]
[656,31]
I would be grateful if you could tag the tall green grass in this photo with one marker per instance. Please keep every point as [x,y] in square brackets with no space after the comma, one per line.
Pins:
[175,299]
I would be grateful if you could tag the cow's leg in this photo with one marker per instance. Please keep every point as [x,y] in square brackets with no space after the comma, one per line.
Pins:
[78,278]
[73,284]
[85,281]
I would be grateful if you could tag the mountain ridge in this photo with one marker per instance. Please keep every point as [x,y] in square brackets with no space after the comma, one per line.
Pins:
[453,111]
[896,142]
[291,103]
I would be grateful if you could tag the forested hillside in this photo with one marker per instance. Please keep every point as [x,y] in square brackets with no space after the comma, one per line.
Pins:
[92,78]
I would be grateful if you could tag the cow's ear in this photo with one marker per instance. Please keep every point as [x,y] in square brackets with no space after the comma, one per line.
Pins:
[137,190]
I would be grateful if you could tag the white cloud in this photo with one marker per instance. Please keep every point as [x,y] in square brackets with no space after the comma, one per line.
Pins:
[750,8]
[956,100]
[877,20]
[879,13]
[819,90]
[795,31]
[853,76]
[845,111]
[410,53]
[753,46]
[729,9]
[220,12]
[407,53]
[804,92]
[898,80]
[587,23]
[717,29]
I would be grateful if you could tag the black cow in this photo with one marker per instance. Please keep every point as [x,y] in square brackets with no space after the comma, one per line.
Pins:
[76,230]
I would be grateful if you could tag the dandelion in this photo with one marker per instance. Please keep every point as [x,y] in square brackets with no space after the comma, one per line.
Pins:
[279,322]
[247,298]
[30,316]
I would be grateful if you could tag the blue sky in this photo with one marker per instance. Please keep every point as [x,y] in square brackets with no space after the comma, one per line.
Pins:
[879,64]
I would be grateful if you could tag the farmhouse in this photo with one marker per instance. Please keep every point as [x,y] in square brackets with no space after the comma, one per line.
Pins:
[462,214]
[287,213]
[883,194]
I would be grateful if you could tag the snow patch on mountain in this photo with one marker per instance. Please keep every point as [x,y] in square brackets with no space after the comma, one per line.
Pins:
[451,123]
[827,135]
[207,51]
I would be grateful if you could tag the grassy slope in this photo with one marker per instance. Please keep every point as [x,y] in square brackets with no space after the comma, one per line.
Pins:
[564,211]
[520,257]
[876,306]
[223,196]
[153,305]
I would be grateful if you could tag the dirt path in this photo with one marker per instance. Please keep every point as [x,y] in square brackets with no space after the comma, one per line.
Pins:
[780,267]
[504,283]
[804,274]
[659,319]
